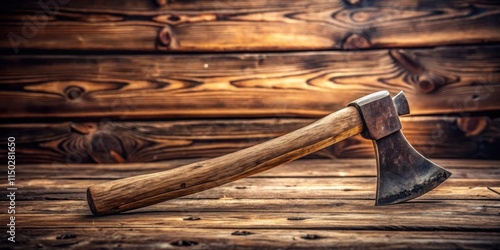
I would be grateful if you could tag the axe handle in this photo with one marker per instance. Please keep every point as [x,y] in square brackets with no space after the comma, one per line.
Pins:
[140,191]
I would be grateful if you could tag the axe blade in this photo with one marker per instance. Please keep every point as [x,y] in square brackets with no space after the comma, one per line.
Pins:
[403,174]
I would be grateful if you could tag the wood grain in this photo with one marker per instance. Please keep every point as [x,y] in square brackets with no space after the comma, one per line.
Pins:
[309,84]
[304,204]
[304,179]
[247,25]
[293,188]
[303,168]
[115,142]
[298,207]
[251,220]
[121,81]
[163,237]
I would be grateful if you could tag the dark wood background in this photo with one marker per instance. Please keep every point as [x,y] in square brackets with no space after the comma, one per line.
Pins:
[140,81]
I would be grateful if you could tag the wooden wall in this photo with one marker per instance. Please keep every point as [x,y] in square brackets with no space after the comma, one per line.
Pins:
[138,81]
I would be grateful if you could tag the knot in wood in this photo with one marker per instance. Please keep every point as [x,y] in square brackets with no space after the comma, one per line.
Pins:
[472,126]
[174,18]
[106,148]
[73,92]
[164,37]
[430,82]
[426,85]
[356,41]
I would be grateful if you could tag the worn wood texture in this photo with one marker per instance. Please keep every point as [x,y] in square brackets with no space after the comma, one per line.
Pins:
[245,25]
[436,81]
[354,179]
[121,89]
[108,142]
[356,167]
[304,204]
[158,238]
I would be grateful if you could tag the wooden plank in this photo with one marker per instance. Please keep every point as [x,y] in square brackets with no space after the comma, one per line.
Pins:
[304,168]
[247,25]
[253,220]
[348,192]
[436,81]
[164,237]
[473,180]
[271,188]
[253,185]
[299,207]
[108,142]
[298,187]
[286,207]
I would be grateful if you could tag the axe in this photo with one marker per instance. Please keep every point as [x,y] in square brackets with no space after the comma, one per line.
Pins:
[403,173]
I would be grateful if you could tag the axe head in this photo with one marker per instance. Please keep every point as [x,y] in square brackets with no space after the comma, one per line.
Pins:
[403,173]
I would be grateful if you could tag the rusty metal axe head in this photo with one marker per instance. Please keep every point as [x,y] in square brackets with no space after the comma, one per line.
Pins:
[403,173]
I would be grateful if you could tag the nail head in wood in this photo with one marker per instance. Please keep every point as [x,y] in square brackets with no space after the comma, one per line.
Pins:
[241,233]
[296,218]
[311,237]
[184,243]
[191,218]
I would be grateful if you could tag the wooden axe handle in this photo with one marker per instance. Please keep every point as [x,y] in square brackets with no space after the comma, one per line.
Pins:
[140,191]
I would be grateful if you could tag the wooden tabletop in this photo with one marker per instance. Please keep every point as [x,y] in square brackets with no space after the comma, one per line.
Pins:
[316,203]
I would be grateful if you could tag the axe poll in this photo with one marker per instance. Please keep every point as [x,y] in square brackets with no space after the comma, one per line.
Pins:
[403,173]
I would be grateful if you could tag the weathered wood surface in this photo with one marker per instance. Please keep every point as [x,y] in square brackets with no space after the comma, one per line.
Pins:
[303,204]
[59,109]
[291,188]
[352,179]
[332,220]
[357,167]
[245,25]
[436,81]
[158,238]
[108,142]
[202,205]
